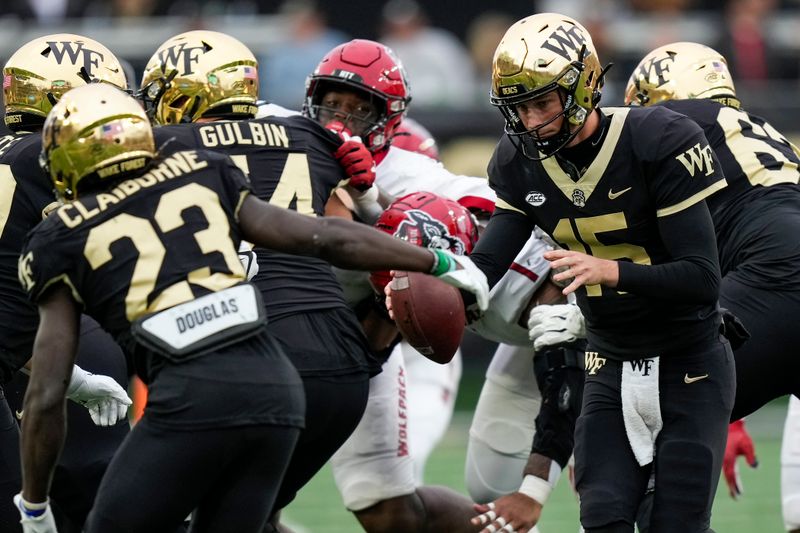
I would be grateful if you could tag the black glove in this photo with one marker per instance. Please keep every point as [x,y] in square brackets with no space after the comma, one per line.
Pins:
[733,329]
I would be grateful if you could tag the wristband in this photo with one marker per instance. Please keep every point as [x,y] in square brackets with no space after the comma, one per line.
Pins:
[536,488]
[33,510]
[442,263]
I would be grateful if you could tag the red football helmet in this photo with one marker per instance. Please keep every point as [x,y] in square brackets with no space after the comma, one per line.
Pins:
[414,137]
[368,68]
[428,220]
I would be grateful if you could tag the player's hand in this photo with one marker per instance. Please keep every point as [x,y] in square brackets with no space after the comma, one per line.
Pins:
[581,269]
[550,325]
[463,274]
[249,260]
[356,161]
[35,517]
[515,512]
[739,443]
[106,401]
[387,292]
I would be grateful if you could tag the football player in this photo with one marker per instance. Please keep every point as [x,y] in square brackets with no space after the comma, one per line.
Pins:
[148,244]
[360,87]
[414,137]
[755,218]
[376,480]
[290,164]
[610,186]
[34,78]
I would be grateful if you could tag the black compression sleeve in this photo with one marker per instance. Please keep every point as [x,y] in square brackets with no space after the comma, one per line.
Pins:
[693,275]
[501,241]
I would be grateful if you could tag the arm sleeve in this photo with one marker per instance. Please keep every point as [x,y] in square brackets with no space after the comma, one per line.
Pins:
[501,241]
[693,275]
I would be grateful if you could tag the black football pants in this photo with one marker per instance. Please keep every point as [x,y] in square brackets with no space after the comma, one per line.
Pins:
[688,450]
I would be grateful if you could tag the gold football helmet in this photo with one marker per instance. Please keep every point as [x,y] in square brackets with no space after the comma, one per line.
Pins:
[39,72]
[96,134]
[680,71]
[200,74]
[539,54]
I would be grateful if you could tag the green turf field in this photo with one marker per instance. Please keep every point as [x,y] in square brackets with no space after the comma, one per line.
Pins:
[318,508]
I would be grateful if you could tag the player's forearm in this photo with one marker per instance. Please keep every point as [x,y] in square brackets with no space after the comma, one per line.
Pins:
[359,247]
[693,276]
[43,433]
[501,241]
[343,243]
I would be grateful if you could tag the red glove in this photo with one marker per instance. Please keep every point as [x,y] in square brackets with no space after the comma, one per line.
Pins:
[739,443]
[357,163]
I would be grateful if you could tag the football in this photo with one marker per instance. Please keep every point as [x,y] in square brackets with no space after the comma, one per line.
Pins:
[429,314]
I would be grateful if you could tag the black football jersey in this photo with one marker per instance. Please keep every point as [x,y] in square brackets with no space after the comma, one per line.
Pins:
[289,162]
[25,195]
[145,244]
[652,163]
[762,170]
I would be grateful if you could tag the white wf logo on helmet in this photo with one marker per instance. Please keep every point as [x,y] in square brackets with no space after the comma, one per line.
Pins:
[535,198]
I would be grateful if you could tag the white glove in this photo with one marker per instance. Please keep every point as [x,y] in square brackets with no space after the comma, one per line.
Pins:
[106,401]
[35,517]
[549,325]
[469,277]
[365,204]
[249,260]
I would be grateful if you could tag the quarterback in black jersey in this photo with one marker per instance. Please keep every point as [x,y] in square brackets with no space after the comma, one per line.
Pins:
[619,190]
[290,164]
[756,218]
[147,245]
[56,62]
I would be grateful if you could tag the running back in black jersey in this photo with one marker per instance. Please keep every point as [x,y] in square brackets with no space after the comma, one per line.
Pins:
[611,212]
[142,240]
[25,195]
[762,169]
[289,162]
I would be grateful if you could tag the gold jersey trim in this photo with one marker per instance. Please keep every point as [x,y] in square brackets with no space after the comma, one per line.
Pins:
[242,195]
[588,182]
[68,282]
[693,199]
[502,204]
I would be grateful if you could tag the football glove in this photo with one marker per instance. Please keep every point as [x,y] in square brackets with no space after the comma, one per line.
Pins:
[249,260]
[460,272]
[550,325]
[739,443]
[357,163]
[35,517]
[106,401]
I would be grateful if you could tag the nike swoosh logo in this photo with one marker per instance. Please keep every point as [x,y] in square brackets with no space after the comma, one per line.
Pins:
[687,379]
[614,195]
[19,414]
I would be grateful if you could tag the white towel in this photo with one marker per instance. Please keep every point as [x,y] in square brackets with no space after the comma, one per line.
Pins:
[641,408]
